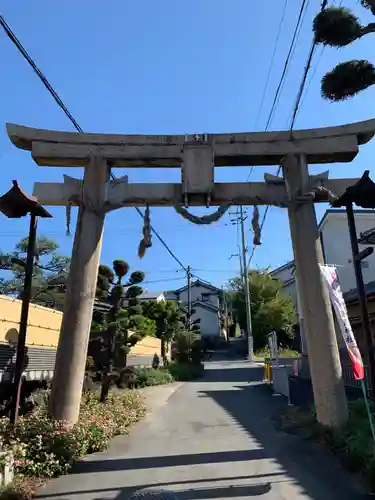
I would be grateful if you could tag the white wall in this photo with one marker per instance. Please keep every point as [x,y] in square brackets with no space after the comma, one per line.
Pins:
[285,274]
[337,249]
[209,325]
[291,289]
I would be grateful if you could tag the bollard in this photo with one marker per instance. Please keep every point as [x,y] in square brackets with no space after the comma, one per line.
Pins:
[267,370]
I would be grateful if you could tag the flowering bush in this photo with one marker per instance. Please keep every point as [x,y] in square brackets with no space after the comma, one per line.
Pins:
[43,448]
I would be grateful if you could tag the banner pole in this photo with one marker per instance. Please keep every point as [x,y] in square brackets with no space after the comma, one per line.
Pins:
[369,414]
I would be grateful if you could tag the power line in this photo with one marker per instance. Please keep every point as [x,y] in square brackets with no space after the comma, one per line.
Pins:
[122,231]
[213,270]
[286,65]
[271,64]
[315,68]
[60,103]
[297,31]
[41,76]
[295,111]
[277,97]
[162,281]
[312,76]
[163,242]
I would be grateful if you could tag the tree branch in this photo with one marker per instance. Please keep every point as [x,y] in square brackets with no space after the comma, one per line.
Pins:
[370,28]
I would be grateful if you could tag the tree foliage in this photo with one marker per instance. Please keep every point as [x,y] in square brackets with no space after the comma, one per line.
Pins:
[270,308]
[338,27]
[114,332]
[50,273]
[169,320]
[187,347]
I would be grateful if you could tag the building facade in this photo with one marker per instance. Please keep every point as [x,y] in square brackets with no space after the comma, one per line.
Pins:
[206,301]
[335,241]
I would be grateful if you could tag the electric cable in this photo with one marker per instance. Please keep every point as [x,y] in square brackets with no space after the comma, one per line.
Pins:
[76,125]
[294,115]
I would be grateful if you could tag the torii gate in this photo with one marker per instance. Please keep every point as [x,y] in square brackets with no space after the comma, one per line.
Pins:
[196,155]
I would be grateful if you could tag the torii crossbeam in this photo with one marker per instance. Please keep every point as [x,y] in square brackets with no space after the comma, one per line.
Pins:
[197,156]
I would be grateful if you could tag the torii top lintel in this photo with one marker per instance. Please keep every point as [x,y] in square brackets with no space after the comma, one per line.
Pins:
[320,145]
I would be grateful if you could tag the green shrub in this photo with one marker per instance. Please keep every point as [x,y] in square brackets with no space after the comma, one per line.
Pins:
[151,376]
[43,448]
[155,362]
[185,371]
[187,347]
[353,442]
[145,377]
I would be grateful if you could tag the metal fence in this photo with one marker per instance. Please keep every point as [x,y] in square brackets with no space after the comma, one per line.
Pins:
[350,381]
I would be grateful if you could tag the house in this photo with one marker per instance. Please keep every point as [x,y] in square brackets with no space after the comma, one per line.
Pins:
[158,296]
[334,236]
[286,274]
[335,241]
[354,313]
[206,301]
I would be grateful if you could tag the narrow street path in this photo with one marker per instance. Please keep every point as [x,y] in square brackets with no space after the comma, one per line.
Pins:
[211,439]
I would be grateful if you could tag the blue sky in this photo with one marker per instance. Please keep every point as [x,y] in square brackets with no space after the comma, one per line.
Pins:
[166,67]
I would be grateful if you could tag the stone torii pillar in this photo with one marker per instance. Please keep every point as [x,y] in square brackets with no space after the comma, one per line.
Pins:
[320,335]
[72,348]
[196,156]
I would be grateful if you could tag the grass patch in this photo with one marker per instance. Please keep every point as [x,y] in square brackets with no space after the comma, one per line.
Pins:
[352,443]
[283,353]
[237,331]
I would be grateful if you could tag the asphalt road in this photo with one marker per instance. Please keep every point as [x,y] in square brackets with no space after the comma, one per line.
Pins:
[210,439]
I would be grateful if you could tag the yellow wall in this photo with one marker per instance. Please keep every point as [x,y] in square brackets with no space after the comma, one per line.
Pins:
[44,327]
[43,323]
[148,346]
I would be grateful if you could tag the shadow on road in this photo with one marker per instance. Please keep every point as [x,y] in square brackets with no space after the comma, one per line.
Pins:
[254,407]
[166,461]
[226,373]
[219,492]
[251,404]
[187,493]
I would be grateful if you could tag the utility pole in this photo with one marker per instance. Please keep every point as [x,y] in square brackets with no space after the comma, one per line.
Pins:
[188,276]
[225,311]
[250,351]
[241,266]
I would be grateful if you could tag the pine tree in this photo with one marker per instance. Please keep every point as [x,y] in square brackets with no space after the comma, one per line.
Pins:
[49,275]
[338,27]
[117,330]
